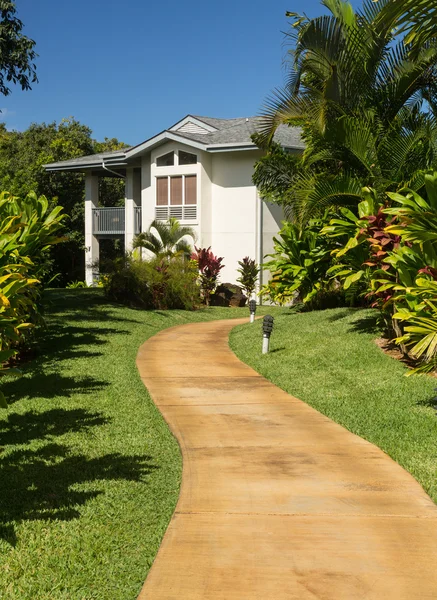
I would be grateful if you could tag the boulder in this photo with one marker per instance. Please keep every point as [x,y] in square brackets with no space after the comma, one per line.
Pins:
[228,294]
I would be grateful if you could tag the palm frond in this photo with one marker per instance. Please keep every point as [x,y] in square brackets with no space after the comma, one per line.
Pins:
[314,196]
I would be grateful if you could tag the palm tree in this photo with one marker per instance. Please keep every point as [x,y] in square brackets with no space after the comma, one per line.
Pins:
[417,17]
[165,239]
[360,95]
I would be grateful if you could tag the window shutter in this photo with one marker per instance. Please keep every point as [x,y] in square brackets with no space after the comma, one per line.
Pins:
[162,191]
[191,189]
[175,191]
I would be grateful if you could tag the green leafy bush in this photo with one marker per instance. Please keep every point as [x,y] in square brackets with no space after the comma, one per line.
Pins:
[160,283]
[28,229]
[299,267]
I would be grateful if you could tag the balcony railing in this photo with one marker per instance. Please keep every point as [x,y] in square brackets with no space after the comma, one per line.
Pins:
[108,221]
[111,221]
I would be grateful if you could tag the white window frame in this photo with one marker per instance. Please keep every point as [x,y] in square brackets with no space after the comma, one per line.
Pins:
[162,156]
[190,164]
[183,212]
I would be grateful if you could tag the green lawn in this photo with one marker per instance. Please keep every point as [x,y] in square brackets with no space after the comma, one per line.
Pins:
[329,360]
[89,472]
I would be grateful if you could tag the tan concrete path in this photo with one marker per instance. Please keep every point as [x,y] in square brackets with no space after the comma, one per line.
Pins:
[277,501]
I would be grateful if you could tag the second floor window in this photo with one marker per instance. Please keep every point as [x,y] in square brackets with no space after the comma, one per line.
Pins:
[179,190]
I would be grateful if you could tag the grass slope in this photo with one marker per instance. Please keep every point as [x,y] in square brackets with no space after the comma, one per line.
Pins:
[89,472]
[329,360]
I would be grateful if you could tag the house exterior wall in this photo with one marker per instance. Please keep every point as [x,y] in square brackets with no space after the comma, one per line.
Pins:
[272,217]
[234,204]
[230,216]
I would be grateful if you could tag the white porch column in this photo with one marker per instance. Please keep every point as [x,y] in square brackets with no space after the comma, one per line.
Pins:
[132,200]
[91,242]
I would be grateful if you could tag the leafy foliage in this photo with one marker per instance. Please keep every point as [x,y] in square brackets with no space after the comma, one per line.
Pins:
[16,51]
[361,95]
[22,156]
[209,267]
[249,272]
[28,229]
[160,283]
[299,265]
[166,239]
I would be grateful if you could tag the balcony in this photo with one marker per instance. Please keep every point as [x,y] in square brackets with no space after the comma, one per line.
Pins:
[110,221]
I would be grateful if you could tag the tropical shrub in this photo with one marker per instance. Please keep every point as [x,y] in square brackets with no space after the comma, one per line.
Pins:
[364,244]
[299,266]
[413,291]
[249,272]
[28,229]
[209,267]
[160,283]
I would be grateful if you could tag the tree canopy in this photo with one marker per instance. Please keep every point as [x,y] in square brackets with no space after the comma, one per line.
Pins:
[22,156]
[17,52]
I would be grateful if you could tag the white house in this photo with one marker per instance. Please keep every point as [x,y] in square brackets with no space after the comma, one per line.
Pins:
[199,171]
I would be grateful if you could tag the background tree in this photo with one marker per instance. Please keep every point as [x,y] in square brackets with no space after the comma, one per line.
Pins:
[16,51]
[22,156]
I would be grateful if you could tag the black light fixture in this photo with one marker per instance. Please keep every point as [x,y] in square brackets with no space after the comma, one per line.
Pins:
[252,309]
[267,329]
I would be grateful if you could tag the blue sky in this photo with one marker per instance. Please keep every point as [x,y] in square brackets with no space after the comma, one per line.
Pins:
[130,69]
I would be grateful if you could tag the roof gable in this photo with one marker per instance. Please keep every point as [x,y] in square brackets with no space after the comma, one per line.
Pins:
[192,126]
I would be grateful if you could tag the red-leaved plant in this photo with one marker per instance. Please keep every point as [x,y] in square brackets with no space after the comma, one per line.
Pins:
[209,267]
[381,243]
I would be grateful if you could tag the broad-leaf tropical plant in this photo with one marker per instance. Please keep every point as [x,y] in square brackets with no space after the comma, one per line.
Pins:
[29,227]
[299,264]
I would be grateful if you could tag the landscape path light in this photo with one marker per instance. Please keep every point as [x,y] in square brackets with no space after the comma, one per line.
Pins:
[267,331]
[252,308]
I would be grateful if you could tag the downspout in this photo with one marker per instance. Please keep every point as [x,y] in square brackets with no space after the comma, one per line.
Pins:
[111,171]
[259,235]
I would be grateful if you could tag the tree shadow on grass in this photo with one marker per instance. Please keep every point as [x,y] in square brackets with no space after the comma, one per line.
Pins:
[39,384]
[367,324]
[83,305]
[429,402]
[62,341]
[342,314]
[43,484]
[24,428]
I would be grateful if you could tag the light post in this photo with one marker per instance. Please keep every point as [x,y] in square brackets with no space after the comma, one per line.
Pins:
[267,331]
[252,308]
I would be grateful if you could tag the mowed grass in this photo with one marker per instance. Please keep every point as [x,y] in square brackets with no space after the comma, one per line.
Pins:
[329,360]
[89,472]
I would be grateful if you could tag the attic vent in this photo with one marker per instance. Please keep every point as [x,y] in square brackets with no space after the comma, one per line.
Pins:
[191,127]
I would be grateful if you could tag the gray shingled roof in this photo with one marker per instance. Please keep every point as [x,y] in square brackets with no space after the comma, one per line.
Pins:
[229,131]
[239,131]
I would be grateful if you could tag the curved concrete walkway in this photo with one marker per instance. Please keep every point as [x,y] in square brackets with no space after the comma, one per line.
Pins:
[277,501]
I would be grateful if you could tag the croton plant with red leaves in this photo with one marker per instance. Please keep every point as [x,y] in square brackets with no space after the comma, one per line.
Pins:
[381,243]
[209,270]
